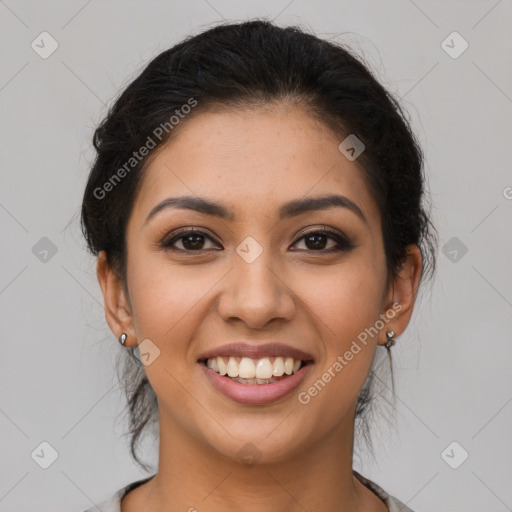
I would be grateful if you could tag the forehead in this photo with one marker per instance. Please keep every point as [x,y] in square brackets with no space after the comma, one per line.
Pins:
[251,161]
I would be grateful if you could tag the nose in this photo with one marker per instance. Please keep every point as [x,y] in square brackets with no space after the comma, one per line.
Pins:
[255,293]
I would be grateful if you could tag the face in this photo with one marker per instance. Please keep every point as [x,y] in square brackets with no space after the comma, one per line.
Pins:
[274,268]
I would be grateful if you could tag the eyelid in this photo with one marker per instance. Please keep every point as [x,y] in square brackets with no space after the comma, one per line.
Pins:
[322,229]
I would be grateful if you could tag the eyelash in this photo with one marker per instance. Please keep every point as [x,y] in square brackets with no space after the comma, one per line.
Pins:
[343,244]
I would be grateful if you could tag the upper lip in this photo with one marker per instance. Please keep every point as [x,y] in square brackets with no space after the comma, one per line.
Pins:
[243,349]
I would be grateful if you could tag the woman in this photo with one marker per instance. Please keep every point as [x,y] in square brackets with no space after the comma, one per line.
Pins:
[256,209]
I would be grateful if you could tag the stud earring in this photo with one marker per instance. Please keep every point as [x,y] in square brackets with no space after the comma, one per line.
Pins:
[131,350]
[390,335]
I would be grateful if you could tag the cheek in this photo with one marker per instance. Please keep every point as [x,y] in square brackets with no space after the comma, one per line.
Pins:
[346,298]
[344,306]
[167,308]
[165,299]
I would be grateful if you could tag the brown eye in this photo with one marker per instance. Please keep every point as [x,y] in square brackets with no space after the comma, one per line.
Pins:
[317,241]
[190,240]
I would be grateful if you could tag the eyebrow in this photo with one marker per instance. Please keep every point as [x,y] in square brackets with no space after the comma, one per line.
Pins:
[290,209]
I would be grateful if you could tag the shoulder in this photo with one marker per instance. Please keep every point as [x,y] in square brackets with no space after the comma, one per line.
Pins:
[113,503]
[394,504]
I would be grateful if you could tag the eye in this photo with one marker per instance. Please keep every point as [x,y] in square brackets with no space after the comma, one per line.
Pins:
[316,241]
[190,239]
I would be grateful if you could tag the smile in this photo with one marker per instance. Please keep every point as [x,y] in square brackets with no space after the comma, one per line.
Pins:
[254,371]
[256,391]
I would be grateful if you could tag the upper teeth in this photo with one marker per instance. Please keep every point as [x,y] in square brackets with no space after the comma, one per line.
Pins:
[247,368]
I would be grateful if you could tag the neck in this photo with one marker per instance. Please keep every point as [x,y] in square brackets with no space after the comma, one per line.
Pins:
[194,477]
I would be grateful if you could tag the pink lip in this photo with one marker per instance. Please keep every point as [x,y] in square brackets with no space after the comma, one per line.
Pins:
[256,393]
[256,351]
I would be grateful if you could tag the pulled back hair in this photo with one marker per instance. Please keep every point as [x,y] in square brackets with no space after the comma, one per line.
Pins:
[252,65]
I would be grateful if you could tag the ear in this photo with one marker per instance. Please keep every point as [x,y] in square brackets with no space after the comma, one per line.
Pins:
[117,306]
[401,294]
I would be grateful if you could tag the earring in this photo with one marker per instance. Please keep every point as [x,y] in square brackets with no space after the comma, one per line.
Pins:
[122,339]
[391,341]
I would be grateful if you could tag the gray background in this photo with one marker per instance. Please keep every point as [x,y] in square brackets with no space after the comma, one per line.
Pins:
[453,377]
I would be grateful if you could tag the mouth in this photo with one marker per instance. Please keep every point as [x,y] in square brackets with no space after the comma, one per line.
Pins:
[245,370]
[252,374]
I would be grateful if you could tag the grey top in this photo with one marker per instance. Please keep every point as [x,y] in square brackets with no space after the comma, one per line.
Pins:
[113,504]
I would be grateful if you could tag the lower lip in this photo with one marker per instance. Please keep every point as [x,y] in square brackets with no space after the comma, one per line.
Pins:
[255,393]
